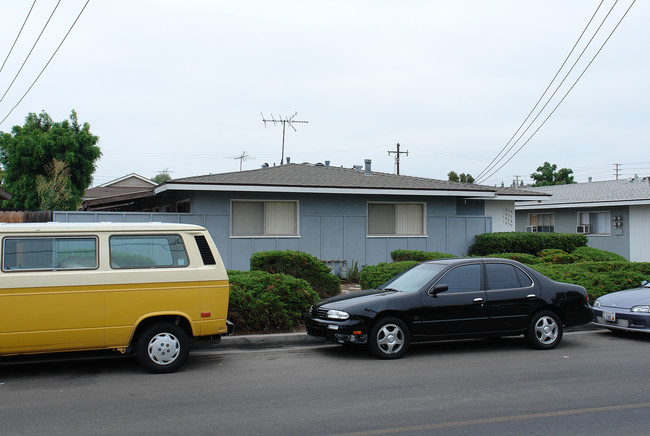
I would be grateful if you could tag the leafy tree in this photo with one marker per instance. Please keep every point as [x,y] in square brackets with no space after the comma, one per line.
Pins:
[548,174]
[462,178]
[161,177]
[28,149]
[53,188]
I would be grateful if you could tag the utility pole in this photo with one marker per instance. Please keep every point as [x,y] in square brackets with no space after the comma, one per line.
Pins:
[617,165]
[287,120]
[515,182]
[397,153]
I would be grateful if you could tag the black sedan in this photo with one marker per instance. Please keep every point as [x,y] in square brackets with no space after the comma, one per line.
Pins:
[627,310]
[449,299]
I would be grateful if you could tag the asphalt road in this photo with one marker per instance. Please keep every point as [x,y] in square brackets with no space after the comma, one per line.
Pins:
[594,383]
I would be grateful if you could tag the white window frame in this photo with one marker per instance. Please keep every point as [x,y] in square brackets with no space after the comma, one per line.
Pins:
[551,214]
[265,236]
[397,235]
[592,229]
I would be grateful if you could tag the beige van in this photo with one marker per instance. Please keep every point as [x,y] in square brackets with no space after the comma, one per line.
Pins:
[147,288]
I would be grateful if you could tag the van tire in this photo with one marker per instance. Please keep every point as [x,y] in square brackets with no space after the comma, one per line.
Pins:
[162,348]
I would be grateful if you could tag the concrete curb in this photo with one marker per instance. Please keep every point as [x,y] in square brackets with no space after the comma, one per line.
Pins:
[269,340]
[301,339]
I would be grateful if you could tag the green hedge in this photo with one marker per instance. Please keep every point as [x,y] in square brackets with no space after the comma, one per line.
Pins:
[525,242]
[260,301]
[528,259]
[372,276]
[300,265]
[420,256]
[599,278]
[596,255]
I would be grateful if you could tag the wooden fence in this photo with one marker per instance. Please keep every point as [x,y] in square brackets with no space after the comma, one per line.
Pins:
[25,216]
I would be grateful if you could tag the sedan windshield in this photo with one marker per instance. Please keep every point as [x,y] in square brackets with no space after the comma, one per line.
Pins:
[414,279]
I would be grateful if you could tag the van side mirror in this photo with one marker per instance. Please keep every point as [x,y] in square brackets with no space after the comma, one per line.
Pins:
[437,289]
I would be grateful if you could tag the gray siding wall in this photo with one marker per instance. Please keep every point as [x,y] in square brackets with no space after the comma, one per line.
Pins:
[331,227]
[566,221]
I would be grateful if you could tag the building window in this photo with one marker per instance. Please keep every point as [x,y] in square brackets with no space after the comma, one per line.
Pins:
[183,206]
[396,219]
[541,222]
[264,218]
[595,223]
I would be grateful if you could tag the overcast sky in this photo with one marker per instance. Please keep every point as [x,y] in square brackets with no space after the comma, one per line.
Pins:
[181,85]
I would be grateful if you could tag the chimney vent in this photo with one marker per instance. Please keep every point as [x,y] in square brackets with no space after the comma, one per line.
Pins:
[368,162]
[288,160]
[327,164]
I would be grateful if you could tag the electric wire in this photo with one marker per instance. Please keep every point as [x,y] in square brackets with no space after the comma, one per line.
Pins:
[18,36]
[30,52]
[566,76]
[48,62]
[487,168]
[565,95]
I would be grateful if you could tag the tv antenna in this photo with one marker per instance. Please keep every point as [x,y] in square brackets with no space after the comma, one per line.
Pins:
[286,120]
[242,157]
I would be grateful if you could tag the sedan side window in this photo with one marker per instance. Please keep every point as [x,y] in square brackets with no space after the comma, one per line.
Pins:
[503,276]
[464,278]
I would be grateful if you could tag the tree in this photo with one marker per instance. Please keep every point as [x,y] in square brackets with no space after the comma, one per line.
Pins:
[548,174]
[162,176]
[53,188]
[462,178]
[28,150]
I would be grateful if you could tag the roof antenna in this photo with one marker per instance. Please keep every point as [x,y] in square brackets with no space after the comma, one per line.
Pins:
[286,120]
[242,157]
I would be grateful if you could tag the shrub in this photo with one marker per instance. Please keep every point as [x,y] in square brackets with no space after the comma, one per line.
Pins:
[525,242]
[596,255]
[261,301]
[528,259]
[300,265]
[372,276]
[599,278]
[553,255]
[420,256]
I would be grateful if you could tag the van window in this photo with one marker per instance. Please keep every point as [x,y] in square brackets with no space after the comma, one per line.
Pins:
[28,254]
[153,251]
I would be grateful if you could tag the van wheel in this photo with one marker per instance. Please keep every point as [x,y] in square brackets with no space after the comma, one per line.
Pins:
[389,338]
[162,348]
[545,330]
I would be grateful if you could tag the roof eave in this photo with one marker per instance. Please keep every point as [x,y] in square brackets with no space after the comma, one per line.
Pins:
[575,205]
[320,190]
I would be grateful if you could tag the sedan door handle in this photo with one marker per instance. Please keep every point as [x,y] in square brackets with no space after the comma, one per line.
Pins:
[478,300]
[531,296]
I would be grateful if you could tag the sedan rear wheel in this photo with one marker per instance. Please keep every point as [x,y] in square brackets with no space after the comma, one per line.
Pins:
[545,331]
[389,338]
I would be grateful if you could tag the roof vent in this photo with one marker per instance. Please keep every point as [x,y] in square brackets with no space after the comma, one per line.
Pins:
[357,168]
[327,164]
[288,160]
[368,163]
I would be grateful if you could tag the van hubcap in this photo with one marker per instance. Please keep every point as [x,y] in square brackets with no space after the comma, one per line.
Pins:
[164,348]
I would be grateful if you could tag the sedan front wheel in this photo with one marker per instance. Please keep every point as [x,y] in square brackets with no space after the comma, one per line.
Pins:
[389,338]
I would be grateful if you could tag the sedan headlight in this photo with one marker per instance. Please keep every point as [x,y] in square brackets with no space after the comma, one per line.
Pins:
[642,309]
[597,303]
[337,314]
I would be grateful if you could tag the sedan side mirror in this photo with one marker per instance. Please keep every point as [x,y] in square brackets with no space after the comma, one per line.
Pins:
[437,289]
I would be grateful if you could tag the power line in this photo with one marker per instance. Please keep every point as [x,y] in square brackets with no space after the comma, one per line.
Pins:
[487,168]
[30,51]
[18,36]
[48,62]
[565,95]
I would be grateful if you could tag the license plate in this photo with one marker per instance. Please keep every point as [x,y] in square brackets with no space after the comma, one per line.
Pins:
[609,316]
